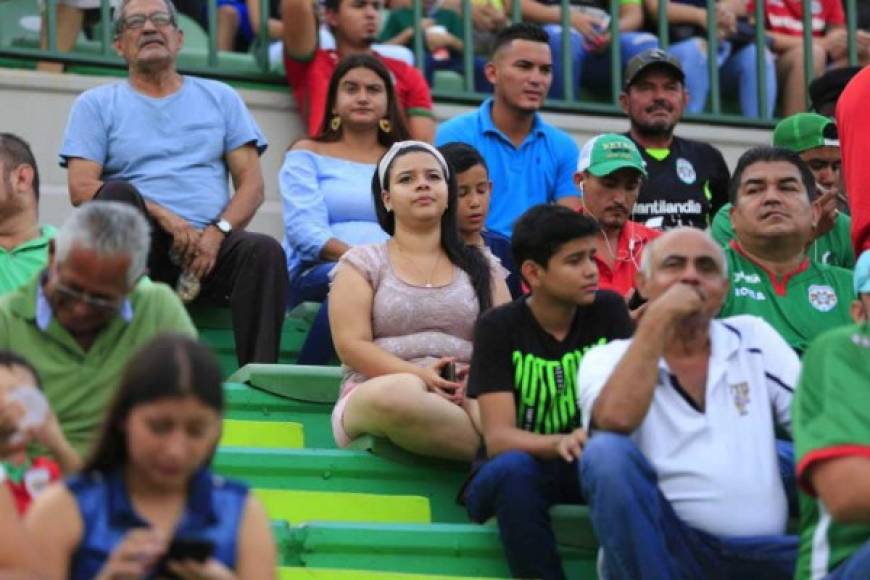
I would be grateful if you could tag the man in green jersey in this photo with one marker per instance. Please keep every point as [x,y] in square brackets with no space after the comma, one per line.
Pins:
[814,138]
[771,275]
[23,244]
[831,412]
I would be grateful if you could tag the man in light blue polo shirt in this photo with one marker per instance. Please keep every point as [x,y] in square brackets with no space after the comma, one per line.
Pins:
[530,162]
[168,144]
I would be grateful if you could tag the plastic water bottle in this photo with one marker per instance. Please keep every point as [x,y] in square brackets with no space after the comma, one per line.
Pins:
[188,285]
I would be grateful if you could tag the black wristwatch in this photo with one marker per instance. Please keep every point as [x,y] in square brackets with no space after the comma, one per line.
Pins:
[222,225]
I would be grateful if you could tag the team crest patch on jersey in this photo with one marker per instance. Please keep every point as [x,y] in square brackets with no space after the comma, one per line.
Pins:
[862,340]
[740,392]
[686,171]
[823,298]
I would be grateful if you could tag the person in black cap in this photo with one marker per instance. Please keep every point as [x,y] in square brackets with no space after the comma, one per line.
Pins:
[825,90]
[688,180]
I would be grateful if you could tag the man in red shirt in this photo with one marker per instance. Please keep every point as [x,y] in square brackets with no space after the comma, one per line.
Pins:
[784,24]
[609,173]
[853,124]
[355,24]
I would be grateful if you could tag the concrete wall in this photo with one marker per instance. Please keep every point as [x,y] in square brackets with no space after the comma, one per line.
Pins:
[35,106]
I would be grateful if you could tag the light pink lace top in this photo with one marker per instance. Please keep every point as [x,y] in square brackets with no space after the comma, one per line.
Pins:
[416,323]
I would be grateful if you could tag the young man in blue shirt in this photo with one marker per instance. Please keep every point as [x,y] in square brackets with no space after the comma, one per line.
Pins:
[530,162]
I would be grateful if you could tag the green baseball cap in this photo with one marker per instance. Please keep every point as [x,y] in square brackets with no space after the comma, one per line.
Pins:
[805,131]
[604,154]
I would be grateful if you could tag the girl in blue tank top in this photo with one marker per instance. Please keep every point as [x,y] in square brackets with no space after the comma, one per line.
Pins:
[147,487]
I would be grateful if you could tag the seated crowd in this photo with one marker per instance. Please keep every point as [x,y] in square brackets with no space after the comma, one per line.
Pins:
[559,318]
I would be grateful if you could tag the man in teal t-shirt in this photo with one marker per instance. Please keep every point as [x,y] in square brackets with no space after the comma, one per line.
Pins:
[771,275]
[814,138]
[832,438]
[23,244]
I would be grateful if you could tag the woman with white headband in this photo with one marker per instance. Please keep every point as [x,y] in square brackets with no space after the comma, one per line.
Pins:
[403,312]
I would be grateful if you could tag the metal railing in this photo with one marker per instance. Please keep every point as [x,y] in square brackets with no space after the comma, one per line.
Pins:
[215,63]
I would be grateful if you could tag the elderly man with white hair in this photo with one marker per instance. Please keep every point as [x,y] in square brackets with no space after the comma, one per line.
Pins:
[683,472]
[80,319]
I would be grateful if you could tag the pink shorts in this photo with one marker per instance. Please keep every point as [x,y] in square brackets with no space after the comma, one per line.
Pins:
[342,439]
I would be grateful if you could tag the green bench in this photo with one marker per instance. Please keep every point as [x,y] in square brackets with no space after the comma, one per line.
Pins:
[341,470]
[244,402]
[299,506]
[447,549]
[315,384]
[262,434]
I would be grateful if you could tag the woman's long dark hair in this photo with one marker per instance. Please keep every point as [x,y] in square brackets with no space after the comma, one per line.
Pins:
[171,365]
[467,257]
[399,129]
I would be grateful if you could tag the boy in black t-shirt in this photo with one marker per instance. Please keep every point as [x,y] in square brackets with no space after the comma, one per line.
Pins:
[523,374]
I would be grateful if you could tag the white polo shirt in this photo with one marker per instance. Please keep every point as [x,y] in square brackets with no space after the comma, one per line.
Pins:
[718,467]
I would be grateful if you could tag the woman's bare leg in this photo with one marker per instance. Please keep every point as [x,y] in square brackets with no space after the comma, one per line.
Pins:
[69,25]
[228,25]
[400,408]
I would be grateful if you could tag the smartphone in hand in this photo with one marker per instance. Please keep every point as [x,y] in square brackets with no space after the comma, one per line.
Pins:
[448,372]
[180,548]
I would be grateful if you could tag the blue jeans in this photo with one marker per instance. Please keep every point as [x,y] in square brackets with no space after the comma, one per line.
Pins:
[519,489]
[642,536]
[312,285]
[737,70]
[593,67]
[857,567]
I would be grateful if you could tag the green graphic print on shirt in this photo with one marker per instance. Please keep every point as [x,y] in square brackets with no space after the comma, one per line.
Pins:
[547,400]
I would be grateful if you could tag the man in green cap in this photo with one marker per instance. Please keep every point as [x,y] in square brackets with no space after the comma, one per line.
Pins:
[771,275]
[832,440]
[609,176]
[814,138]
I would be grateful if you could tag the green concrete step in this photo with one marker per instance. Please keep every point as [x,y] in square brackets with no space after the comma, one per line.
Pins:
[297,507]
[215,326]
[244,402]
[315,384]
[338,470]
[296,573]
[382,447]
[262,434]
[446,549]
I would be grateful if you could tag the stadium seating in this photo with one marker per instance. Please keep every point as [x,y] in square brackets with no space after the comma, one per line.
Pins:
[369,512]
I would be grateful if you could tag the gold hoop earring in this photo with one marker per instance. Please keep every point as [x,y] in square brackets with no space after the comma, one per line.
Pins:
[335,123]
[385,125]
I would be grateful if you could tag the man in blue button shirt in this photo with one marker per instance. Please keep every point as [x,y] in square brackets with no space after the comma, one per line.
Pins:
[530,162]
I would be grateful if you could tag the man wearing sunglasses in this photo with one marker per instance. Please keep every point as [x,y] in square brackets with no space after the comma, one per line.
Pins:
[80,319]
[166,143]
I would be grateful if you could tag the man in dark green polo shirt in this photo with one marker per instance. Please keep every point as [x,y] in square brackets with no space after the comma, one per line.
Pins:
[771,275]
[79,320]
[23,244]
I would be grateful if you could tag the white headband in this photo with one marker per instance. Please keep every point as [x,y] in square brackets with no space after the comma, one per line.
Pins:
[399,146]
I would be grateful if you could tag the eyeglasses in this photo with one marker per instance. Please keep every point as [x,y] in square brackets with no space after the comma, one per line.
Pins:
[158,19]
[67,294]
